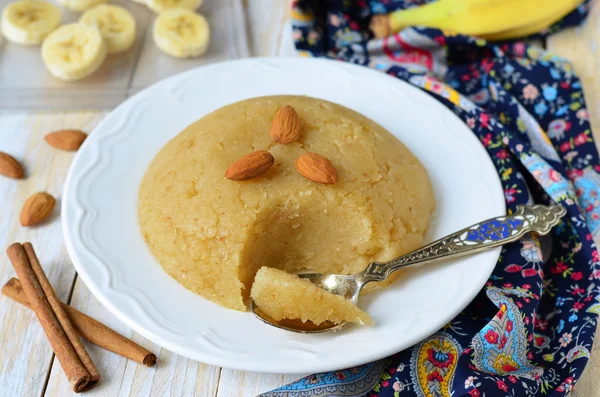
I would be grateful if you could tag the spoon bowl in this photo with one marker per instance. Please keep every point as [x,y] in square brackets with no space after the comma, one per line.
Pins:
[347,286]
[294,325]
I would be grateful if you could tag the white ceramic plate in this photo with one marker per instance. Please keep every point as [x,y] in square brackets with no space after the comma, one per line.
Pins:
[107,249]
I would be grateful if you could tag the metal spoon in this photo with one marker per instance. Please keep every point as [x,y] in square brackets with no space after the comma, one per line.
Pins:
[479,237]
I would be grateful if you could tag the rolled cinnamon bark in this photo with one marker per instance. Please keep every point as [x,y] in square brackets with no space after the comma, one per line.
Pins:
[64,321]
[89,328]
[78,375]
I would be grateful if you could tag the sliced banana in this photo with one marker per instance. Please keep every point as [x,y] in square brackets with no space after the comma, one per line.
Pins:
[159,6]
[29,21]
[79,5]
[181,33]
[116,26]
[73,51]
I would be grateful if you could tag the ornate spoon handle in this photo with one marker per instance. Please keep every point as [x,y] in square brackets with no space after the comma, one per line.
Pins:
[479,237]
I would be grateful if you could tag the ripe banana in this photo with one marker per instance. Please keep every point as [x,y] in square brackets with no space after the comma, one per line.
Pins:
[73,51]
[478,17]
[181,33]
[79,5]
[159,6]
[29,21]
[524,31]
[116,26]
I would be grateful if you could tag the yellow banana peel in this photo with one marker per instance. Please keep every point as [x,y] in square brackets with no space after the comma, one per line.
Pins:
[491,18]
[524,31]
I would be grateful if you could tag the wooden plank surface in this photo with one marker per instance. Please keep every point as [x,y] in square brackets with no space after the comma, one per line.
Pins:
[31,369]
[25,352]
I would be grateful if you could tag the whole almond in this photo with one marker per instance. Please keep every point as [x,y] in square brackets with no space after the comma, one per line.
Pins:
[286,126]
[37,209]
[69,140]
[250,166]
[315,167]
[10,167]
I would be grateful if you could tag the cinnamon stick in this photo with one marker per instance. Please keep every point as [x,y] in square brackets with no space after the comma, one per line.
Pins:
[90,329]
[64,321]
[79,376]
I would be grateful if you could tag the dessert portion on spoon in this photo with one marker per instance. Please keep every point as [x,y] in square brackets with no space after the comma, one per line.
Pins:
[280,296]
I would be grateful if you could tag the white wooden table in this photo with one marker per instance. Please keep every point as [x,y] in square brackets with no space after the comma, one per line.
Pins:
[27,365]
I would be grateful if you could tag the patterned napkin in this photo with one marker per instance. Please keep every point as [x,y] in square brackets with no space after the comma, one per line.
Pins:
[530,330]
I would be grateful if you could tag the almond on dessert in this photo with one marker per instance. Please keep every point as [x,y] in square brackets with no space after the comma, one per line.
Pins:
[286,126]
[250,166]
[315,167]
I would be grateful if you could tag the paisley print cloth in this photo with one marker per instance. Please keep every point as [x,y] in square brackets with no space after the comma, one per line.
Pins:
[530,330]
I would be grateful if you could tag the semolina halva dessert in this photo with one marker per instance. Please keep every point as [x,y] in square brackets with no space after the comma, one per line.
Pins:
[309,186]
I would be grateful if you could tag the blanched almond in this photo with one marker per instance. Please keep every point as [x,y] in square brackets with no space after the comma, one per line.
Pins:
[69,140]
[315,167]
[10,167]
[250,166]
[286,126]
[37,209]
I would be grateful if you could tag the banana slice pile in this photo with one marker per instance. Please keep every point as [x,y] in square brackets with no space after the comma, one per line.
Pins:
[74,51]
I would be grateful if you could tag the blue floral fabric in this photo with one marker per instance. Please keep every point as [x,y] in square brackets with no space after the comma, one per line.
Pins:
[530,330]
